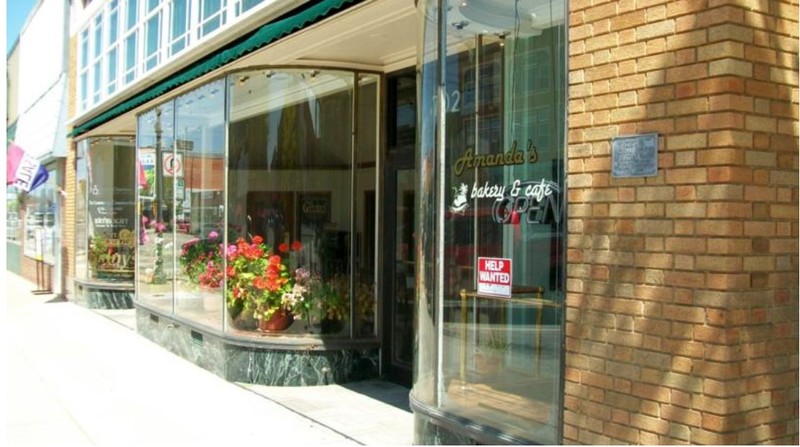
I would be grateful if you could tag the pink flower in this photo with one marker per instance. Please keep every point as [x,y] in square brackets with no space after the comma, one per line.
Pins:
[160,227]
[213,235]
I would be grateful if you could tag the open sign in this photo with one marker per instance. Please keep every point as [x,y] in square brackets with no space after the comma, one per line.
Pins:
[494,276]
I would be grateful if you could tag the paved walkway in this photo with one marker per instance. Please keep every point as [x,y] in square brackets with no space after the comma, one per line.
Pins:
[75,376]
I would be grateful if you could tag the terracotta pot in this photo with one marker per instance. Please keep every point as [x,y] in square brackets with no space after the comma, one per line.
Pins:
[279,321]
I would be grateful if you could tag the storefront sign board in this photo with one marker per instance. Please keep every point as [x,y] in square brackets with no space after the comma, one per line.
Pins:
[494,276]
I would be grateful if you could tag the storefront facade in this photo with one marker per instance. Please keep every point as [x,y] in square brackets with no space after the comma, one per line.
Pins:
[37,86]
[608,202]
[557,222]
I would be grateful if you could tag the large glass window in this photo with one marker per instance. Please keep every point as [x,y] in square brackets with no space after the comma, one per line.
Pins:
[495,90]
[291,231]
[155,157]
[13,214]
[105,210]
[197,174]
[299,188]
[41,207]
[81,212]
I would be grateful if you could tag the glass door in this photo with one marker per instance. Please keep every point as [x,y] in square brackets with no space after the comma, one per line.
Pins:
[398,228]
[400,302]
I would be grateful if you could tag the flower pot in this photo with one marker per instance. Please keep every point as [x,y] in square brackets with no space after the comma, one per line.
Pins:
[279,321]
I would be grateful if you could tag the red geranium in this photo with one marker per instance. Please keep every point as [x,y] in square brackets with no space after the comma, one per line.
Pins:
[257,277]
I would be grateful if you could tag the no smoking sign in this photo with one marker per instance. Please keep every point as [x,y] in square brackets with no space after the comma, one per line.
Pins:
[173,165]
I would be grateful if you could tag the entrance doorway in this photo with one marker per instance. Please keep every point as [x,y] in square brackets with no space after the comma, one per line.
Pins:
[398,228]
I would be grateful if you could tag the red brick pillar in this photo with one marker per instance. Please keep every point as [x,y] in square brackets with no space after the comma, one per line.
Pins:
[682,305]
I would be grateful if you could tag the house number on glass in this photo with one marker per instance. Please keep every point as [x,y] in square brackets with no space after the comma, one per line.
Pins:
[452,101]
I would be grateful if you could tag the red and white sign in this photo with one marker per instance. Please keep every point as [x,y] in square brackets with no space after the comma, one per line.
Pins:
[173,165]
[494,276]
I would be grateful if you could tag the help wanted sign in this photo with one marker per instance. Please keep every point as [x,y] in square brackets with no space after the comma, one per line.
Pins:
[494,276]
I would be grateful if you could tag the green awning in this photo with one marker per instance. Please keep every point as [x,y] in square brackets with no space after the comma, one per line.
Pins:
[296,20]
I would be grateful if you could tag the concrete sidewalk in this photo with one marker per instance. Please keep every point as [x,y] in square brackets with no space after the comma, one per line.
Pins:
[81,377]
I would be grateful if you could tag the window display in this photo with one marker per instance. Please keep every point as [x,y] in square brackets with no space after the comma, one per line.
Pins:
[262,220]
[492,273]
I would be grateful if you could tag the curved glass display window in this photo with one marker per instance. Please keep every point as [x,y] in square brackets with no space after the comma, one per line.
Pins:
[261,221]
[490,281]
[301,202]
[105,211]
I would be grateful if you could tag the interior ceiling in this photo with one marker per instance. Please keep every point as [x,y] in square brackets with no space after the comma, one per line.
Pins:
[378,35]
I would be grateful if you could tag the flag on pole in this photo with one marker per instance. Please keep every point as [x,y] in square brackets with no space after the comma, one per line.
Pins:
[23,170]
[142,177]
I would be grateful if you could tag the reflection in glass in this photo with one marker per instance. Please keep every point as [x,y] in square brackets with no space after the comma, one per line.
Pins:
[291,187]
[155,268]
[197,177]
[81,212]
[110,208]
[502,111]
[40,221]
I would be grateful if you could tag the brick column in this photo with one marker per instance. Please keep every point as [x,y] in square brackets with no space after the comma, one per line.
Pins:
[682,304]
[68,230]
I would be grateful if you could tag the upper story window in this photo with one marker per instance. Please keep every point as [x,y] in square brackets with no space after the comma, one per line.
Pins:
[126,39]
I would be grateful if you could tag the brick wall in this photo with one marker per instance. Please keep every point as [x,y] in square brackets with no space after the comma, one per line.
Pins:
[68,228]
[682,304]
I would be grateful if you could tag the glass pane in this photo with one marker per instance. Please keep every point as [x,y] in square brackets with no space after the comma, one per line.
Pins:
[502,229]
[425,366]
[180,25]
[290,186]
[97,76]
[112,70]
[111,209]
[132,11]
[81,212]
[249,4]
[98,36]
[212,16]
[198,177]
[13,214]
[84,49]
[130,57]
[403,312]
[155,269]
[40,221]
[152,41]
[365,205]
[113,20]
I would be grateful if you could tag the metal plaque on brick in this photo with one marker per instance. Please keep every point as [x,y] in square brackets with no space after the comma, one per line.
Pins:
[634,156]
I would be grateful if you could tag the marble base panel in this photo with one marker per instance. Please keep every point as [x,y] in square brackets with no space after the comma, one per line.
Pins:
[428,432]
[436,426]
[289,366]
[99,296]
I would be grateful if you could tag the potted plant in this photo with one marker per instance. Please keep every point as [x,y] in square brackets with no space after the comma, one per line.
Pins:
[260,285]
[201,261]
[334,304]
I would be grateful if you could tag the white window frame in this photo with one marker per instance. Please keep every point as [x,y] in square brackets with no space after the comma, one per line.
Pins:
[229,13]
